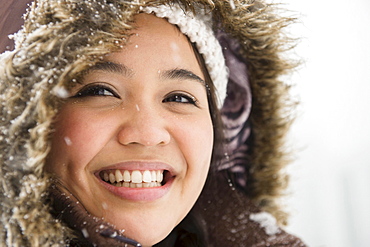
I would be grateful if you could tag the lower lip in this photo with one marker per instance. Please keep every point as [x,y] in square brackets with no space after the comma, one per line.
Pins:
[139,194]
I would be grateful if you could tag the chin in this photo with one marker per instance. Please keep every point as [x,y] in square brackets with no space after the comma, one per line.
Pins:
[148,236]
[148,231]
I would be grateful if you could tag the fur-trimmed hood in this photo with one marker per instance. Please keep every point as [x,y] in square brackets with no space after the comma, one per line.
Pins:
[62,38]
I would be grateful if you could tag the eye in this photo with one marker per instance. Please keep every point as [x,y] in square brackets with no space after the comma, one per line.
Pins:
[180,98]
[96,90]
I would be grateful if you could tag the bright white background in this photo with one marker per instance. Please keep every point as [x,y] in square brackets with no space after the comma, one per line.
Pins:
[330,184]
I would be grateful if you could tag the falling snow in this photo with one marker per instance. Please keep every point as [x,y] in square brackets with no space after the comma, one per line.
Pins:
[61,92]
[85,233]
[266,221]
[105,205]
[232,4]
[68,141]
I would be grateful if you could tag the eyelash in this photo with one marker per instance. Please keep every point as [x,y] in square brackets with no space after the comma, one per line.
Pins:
[175,97]
[96,90]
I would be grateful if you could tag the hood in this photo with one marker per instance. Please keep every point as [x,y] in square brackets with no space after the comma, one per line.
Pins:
[62,38]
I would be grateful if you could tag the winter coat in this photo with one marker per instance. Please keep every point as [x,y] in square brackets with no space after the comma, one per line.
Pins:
[239,206]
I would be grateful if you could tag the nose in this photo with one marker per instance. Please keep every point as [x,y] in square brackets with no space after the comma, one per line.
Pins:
[143,126]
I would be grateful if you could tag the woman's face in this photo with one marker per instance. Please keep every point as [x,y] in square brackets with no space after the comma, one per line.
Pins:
[140,115]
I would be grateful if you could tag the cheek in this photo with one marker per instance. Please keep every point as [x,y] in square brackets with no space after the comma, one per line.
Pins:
[198,146]
[78,137]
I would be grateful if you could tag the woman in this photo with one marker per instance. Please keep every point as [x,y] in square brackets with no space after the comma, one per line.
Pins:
[111,125]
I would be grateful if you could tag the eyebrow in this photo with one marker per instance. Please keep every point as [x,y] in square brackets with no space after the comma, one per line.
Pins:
[176,74]
[112,67]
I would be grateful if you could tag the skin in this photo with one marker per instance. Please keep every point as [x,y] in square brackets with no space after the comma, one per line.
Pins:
[141,115]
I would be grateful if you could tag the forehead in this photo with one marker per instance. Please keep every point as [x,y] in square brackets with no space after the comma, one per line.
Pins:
[155,44]
[149,24]
[156,32]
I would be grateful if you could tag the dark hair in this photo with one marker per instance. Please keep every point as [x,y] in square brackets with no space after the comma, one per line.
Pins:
[215,112]
[191,231]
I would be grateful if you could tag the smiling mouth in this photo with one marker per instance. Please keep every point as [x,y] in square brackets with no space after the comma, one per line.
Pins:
[135,178]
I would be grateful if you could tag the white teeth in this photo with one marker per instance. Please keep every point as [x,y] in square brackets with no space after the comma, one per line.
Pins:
[147,177]
[143,185]
[105,176]
[126,176]
[119,176]
[135,179]
[112,178]
[159,176]
[154,176]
